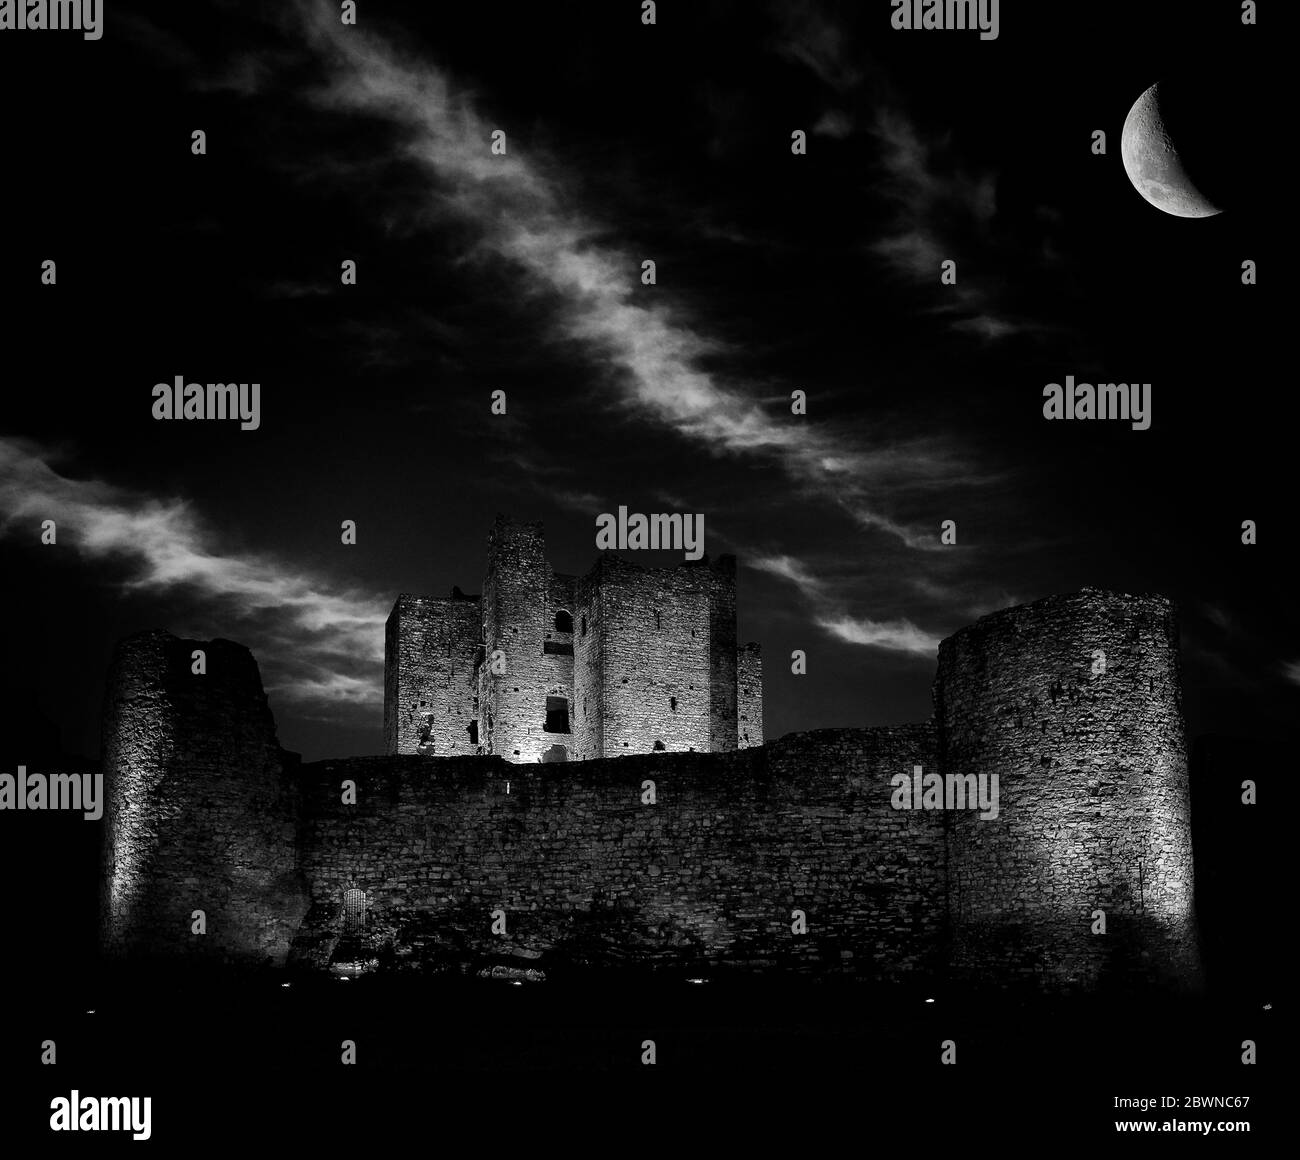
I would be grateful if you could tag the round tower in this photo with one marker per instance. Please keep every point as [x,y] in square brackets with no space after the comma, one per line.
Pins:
[200,814]
[516,614]
[1084,878]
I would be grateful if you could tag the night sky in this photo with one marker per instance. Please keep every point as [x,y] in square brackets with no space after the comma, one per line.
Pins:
[521,273]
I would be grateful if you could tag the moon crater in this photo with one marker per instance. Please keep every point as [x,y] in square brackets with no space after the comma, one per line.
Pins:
[1177,146]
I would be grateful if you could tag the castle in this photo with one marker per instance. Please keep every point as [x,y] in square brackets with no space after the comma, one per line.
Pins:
[676,860]
[550,667]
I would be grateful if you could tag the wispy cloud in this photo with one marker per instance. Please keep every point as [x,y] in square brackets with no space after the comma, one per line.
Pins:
[319,642]
[654,356]
[939,208]
[830,614]
[941,211]
[896,635]
[988,327]
[810,37]
[833,123]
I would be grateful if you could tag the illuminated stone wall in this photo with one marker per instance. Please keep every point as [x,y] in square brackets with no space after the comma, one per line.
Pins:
[202,806]
[749,696]
[1072,702]
[432,648]
[623,660]
[588,872]
[1075,703]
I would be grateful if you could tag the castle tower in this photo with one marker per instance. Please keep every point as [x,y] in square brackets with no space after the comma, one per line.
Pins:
[432,650]
[526,709]
[1074,702]
[201,815]
[643,659]
[550,667]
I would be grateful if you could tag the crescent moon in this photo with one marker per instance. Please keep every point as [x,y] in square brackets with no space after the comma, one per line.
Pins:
[1154,164]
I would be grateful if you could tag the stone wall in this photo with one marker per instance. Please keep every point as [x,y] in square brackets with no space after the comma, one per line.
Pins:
[557,665]
[201,814]
[749,696]
[431,652]
[517,615]
[588,668]
[585,871]
[720,578]
[1074,702]
[654,678]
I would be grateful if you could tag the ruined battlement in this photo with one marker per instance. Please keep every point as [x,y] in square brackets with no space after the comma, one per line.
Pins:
[676,859]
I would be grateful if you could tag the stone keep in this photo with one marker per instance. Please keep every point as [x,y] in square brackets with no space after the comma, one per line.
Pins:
[547,667]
